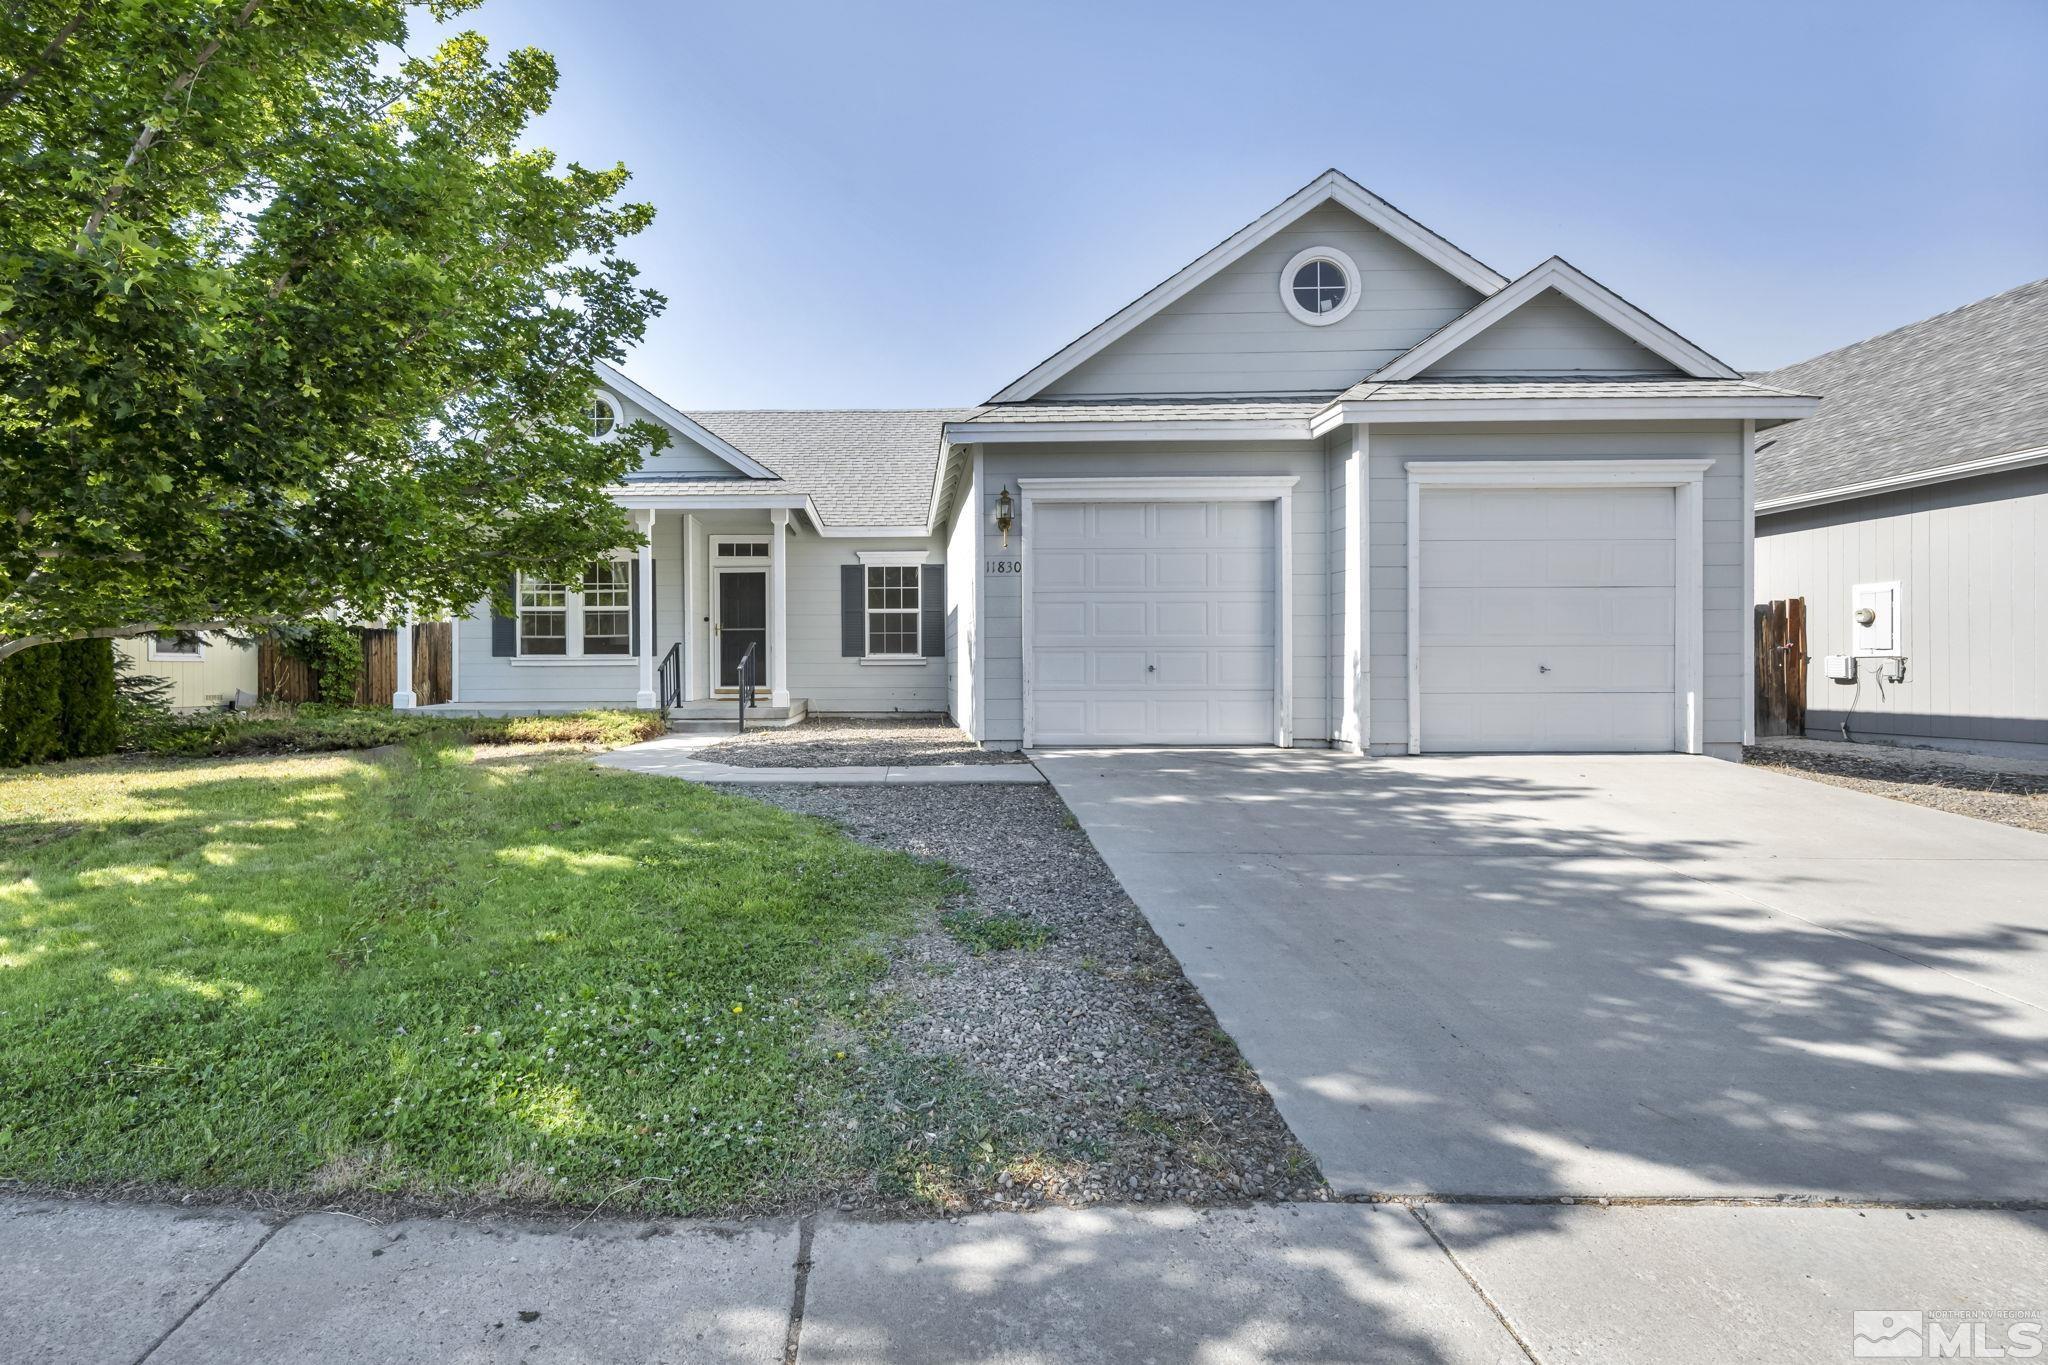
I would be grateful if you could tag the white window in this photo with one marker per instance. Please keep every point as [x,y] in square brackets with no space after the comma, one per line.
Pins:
[601,417]
[178,646]
[1319,286]
[742,549]
[556,621]
[892,611]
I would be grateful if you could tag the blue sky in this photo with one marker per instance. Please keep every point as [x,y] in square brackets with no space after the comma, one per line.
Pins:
[877,205]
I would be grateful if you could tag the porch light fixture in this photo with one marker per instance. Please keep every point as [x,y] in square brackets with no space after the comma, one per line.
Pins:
[1003,517]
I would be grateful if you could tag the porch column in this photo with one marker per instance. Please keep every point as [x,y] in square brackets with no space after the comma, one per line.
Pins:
[778,607]
[403,698]
[694,563]
[643,608]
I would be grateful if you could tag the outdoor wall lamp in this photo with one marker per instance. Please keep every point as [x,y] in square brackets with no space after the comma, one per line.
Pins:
[1003,517]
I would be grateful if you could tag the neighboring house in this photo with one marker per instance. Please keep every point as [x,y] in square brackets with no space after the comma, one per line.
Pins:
[1335,482]
[204,671]
[1919,494]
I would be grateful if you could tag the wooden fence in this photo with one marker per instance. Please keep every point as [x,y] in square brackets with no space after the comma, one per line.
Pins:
[1781,667]
[283,676]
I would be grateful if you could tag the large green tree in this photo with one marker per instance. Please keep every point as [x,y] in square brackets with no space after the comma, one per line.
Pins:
[290,319]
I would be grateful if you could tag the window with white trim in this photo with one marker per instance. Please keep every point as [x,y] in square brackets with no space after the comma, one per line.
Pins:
[595,620]
[177,646]
[600,415]
[893,611]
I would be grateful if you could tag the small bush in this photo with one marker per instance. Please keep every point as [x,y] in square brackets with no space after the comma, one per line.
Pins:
[995,932]
[88,700]
[311,729]
[31,707]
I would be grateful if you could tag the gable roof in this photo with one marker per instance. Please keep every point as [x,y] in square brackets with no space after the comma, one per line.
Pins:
[861,467]
[613,377]
[1330,186]
[1955,395]
[1567,279]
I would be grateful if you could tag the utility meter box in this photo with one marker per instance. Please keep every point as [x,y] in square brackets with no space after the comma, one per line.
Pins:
[1874,618]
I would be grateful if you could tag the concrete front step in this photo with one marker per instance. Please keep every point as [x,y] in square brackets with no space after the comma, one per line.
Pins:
[691,716]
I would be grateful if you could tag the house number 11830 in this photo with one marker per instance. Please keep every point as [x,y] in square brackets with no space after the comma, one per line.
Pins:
[1006,566]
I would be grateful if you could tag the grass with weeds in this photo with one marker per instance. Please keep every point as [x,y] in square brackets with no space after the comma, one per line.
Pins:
[318,729]
[430,974]
[995,931]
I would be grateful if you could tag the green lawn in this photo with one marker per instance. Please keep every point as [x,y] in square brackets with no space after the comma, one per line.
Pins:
[434,973]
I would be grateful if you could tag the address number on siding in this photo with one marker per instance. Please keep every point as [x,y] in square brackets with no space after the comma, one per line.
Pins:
[1002,566]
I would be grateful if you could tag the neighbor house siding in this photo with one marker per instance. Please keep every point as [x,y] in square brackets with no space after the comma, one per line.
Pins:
[201,684]
[848,686]
[1726,614]
[1232,334]
[1002,600]
[1973,591]
[1550,334]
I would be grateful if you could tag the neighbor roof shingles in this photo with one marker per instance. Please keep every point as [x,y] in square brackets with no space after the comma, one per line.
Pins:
[862,467]
[1963,386]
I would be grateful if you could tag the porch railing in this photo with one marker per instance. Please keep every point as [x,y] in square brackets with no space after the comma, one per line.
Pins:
[746,684]
[669,685]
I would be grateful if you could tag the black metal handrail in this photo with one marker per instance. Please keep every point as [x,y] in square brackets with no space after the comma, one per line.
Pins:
[746,682]
[669,690]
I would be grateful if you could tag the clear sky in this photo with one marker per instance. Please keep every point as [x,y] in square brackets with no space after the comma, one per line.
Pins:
[877,205]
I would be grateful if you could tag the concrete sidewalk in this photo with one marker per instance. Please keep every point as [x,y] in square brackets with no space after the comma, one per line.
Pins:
[85,1283]
[669,756]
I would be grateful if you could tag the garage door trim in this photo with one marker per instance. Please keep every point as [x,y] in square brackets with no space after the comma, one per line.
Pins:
[1276,489]
[1685,477]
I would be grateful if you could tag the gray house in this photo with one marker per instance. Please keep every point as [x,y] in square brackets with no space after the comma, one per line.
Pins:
[1911,513]
[1336,482]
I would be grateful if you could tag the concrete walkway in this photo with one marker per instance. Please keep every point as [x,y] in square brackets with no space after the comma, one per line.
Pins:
[669,756]
[83,1283]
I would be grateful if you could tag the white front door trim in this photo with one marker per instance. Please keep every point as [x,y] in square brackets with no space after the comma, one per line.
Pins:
[1276,489]
[1685,477]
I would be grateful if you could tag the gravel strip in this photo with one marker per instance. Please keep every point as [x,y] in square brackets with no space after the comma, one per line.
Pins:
[1114,1080]
[849,743]
[2007,792]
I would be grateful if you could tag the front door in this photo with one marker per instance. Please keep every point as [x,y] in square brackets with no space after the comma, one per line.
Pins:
[740,618]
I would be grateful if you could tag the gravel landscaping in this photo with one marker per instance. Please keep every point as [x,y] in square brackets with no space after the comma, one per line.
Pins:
[852,743]
[1036,1043]
[2007,791]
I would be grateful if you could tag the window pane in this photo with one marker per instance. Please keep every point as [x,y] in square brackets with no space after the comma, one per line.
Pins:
[597,418]
[543,632]
[892,632]
[539,592]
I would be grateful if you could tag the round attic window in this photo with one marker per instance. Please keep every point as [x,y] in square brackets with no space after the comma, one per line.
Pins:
[601,416]
[1320,286]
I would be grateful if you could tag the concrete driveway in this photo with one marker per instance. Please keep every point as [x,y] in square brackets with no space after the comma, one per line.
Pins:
[1623,976]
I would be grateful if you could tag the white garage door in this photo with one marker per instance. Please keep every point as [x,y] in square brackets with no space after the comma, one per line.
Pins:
[1152,622]
[1547,619]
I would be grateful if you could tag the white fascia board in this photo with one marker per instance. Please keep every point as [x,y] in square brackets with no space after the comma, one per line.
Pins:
[992,433]
[614,377]
[1732,408]
[1968,469]
[941,474]
[1330,185]
[1582,289]
[874,532]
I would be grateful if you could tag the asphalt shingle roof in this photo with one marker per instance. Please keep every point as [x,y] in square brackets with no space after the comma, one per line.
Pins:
[1153,410]
[1969,384]
[862,467]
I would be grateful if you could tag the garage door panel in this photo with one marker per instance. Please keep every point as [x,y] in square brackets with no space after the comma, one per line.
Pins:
[1547,619]
[1163,633]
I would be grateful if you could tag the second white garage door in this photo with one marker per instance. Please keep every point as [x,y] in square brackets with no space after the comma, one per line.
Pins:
[1548,620]
[1152,622]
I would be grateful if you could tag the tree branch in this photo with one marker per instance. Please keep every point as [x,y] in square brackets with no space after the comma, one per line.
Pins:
[43,58]
[9,647]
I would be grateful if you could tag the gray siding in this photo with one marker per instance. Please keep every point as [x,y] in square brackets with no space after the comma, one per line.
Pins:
[683,458]
[1232,334]
[816,669]
[1002,601]
[1973,592]
[1551,335]
[1726,614]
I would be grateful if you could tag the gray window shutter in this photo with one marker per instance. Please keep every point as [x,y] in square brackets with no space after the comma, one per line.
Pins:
[505,629]
[931,601]
[633,604]
[853,611]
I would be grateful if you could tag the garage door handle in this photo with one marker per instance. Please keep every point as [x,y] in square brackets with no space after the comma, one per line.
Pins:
[1543,668]
[1149,668]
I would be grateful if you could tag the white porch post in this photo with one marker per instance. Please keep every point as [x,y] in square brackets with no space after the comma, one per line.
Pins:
[403,698]
[695,562]
[778,604]
[643,608]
